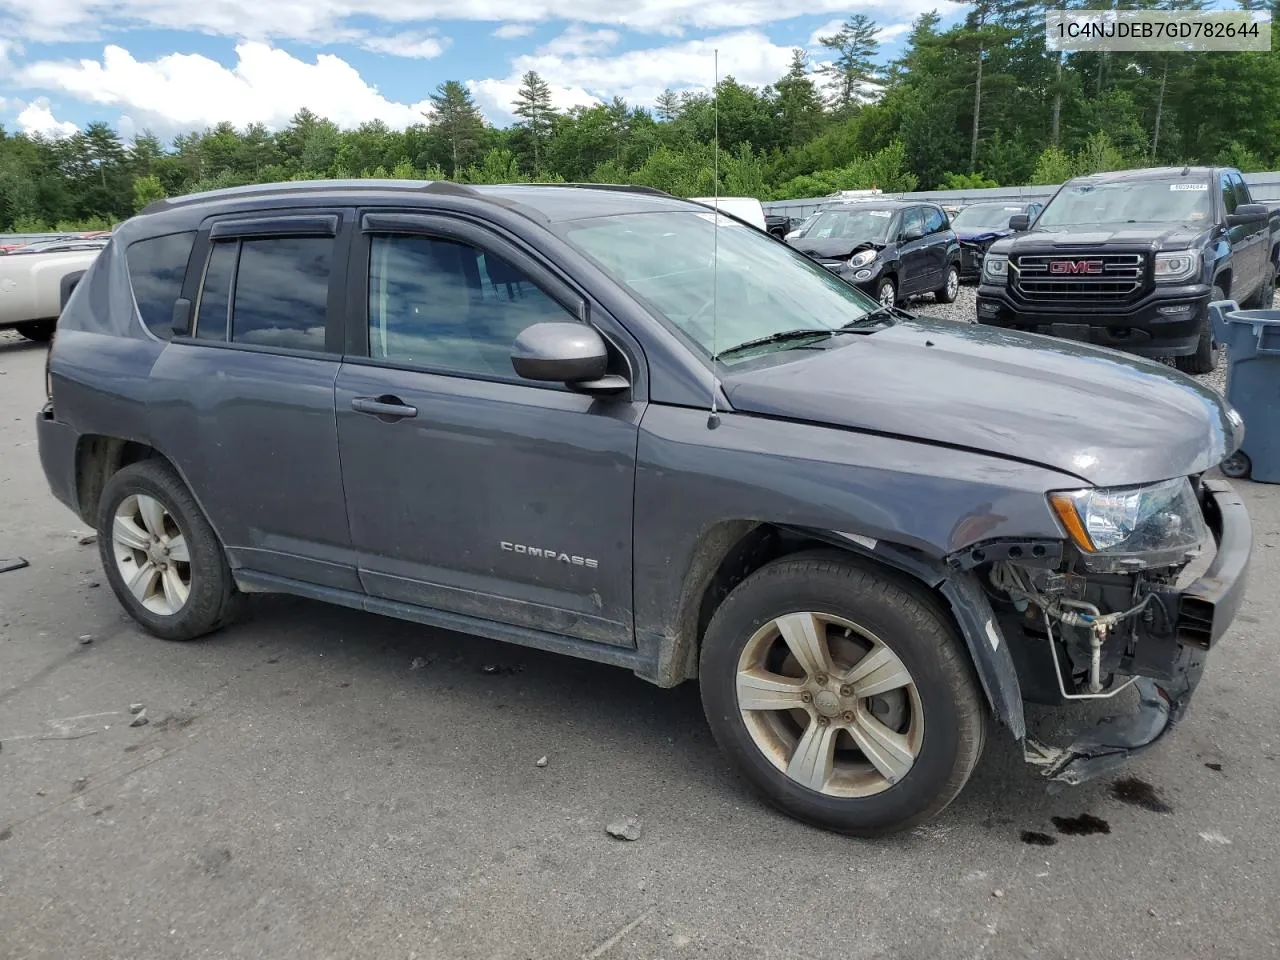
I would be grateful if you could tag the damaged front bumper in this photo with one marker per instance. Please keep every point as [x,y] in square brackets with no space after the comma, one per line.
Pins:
[1204,610]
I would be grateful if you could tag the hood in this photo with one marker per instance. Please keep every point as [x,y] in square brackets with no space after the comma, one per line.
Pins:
[981,234]
[1106,417]
[833,249]
[1146,236]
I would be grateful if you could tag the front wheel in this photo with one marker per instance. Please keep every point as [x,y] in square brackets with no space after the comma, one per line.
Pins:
[160,554]
[1205,359]
[1238,466]
[887,293]
[950,286]
[847,700]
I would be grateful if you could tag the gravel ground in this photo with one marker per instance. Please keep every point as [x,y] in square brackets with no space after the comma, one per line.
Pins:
[965,309]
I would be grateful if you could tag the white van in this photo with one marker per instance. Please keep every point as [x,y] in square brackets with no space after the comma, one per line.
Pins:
[744,208]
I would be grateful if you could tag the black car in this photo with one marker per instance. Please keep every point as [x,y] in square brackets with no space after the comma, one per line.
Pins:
[979,225]
[893,249]
[1131,260]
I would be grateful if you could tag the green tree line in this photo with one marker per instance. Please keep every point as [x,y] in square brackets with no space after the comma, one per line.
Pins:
[981,103]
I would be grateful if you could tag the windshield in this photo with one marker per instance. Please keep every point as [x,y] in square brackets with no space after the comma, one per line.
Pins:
[1135,201]
[863,223]
[985,216]
[763,288]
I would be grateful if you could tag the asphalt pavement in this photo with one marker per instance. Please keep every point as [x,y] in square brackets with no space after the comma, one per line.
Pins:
[316,782]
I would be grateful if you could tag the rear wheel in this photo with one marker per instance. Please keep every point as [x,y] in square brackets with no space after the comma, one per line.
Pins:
[845,699]
[160,554]
[1266,292]
[40,331]
[1205,359]
[950,286]
[1238,466]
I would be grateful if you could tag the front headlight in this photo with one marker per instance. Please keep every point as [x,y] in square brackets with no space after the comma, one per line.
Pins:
[863,257]
[1177,266]
[995,266]
[1133,527]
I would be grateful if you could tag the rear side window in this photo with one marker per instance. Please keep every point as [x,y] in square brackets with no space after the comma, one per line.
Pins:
[934,220]
[277,290]
[156,269]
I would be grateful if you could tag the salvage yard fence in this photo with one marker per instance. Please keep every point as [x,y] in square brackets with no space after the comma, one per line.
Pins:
[1265,187]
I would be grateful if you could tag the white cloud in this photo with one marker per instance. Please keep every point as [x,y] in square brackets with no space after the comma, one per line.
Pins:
[323,21]
[422,46]
[37,117]
[578,41]
[509,31]
[188,91]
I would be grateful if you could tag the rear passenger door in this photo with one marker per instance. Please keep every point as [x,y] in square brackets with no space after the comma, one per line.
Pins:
[1254,246]
[243,393]
[938,235]
[470,490]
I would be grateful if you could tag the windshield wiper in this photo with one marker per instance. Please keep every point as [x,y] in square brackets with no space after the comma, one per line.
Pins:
[783,336]
[880,313]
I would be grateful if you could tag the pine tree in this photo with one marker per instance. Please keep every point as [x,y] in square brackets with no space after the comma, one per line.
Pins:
[533,107]
[799,106]
[667,106]
[455,117]
[854,68]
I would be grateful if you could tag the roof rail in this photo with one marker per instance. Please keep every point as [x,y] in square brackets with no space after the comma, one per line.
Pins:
[619,187]
[309,186]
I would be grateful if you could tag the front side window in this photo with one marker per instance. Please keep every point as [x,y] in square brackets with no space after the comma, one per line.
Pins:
[1228,194]
[157,267]
[720,289]
[912,224]
[450,306]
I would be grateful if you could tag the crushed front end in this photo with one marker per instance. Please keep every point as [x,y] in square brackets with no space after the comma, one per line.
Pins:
[1147,581]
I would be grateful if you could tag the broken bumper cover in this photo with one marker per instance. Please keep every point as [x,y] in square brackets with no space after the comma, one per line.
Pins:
[1205,608]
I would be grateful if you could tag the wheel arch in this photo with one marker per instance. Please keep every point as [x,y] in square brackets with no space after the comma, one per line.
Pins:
[730,552]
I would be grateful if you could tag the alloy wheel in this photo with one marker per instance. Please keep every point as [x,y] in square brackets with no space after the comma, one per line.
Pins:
[151,554]
[830,704]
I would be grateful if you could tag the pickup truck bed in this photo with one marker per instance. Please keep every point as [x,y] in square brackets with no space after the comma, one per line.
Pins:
[33,287]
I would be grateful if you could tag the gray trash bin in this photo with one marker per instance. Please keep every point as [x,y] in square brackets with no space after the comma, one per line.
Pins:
[1252,339]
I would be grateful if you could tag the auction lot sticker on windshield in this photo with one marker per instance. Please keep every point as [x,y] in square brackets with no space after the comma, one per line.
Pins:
[1185,30]
[1189,187]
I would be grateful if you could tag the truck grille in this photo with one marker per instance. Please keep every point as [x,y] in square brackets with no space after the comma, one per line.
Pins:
[1103,276]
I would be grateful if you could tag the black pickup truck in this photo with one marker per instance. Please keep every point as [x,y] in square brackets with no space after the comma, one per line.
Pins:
[1130,260]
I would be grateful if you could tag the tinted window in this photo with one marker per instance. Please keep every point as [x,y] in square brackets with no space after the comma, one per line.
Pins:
[912,224]
[156,269]
[1242,189]
[934,220]
[450,306]
[282,287]
[1228,194]
[215,292]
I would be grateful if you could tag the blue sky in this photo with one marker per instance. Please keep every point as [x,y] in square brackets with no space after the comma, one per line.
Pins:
[177,65]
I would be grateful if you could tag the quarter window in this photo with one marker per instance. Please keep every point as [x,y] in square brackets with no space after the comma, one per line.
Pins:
[450,306]
[157,267]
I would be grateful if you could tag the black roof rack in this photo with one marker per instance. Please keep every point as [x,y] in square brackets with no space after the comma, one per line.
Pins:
[310,186]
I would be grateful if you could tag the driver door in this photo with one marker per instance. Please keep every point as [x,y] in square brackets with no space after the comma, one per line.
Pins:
[468,489]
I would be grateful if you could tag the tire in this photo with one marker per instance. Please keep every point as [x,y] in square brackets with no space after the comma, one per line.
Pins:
[1205,359]
[1266,292]
[943,696]
[887,292]
[950,286]
[38,331]
[211,600]
[1238,466]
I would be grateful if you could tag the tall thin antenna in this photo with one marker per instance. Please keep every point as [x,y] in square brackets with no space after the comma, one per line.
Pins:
[713,419]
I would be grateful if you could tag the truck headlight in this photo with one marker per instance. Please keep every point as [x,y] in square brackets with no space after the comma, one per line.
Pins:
[1177,266]
[1133,527]
[863,257]
[995,267]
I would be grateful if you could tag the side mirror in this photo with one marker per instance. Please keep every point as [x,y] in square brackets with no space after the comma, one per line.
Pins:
[1019,222]
[570,353]
[1247,213]
[909,235]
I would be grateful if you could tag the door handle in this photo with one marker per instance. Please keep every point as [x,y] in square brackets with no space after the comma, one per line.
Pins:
[386,408]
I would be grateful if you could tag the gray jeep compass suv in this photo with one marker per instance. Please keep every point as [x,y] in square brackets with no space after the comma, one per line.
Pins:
[613,424]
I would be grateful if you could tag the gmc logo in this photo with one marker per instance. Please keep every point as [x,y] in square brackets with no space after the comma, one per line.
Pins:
[1075,266]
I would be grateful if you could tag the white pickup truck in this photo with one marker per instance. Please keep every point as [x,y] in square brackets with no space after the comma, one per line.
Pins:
[33,286]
